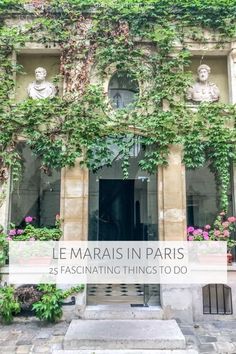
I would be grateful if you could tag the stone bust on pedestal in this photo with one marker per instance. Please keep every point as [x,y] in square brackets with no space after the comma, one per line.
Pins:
[40,88]
[203,90]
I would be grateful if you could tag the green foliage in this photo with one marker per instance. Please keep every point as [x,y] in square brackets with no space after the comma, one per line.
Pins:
[82,123]
[9,306]
[49,308]
[3,247]
[39,234]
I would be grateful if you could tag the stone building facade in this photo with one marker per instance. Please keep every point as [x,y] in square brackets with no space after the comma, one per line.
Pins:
[173,199]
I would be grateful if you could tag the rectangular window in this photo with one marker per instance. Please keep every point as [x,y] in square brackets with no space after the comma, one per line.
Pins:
[202,198]
[36,194]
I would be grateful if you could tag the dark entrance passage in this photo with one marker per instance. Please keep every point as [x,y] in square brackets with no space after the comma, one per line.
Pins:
[122,210]
[119,212]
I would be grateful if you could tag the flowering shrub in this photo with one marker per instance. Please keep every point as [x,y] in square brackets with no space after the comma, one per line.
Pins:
[32,233]
[29,233]
[3,247]
[220,231]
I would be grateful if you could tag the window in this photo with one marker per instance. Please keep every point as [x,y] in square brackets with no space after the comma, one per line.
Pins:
[217,299]
[202,198]
[123,90]
[36,194]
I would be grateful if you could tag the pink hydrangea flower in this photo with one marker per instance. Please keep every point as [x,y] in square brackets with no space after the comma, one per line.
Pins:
[190,238]
[196,232]
[225,224]
[207,227]
[199,231]
[190,229]
[222,213]
[226,233]
[206,237]
[28,219]
[231,219]
[12,232]
[20,232]
[9,238]
[205,234]
[217,233]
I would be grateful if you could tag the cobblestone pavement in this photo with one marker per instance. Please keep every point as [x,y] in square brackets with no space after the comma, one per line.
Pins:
[28,336]
[211,337]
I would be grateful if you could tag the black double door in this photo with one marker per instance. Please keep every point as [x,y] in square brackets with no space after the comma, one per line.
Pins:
[122,215]
[120,210]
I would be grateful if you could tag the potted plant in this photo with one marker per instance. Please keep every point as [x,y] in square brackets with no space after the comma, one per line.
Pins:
[221,230]
[33,233]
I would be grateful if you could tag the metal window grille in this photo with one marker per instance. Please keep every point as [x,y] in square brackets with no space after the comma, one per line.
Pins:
[217,299]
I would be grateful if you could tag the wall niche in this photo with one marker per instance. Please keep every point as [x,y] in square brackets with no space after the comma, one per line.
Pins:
[29,62]
[218,75]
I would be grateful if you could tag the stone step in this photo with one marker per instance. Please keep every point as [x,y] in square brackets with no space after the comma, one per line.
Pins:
[143,351]
[120,311]
[124,334]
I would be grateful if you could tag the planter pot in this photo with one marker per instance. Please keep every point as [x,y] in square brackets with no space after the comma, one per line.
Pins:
[229,258]
[35,261]
[211,259]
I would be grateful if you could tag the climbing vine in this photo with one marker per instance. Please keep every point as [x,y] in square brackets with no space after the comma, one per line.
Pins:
[101,37]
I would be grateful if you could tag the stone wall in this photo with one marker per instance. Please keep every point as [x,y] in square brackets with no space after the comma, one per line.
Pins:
[197,300]
[172,198]
[74,203]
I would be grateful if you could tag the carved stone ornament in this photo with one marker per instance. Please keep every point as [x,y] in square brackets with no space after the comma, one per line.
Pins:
[40,88]
[203,90]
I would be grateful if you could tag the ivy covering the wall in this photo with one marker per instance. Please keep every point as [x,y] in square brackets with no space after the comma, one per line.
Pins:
[133,35]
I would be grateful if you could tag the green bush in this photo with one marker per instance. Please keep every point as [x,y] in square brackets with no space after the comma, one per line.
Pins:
[39,234]
[49,308]
[8,304]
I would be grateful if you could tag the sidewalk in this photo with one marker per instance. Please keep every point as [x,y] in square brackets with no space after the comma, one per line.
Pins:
[28,335]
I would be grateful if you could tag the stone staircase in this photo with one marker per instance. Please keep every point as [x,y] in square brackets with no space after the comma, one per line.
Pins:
[121,311]
[190,351]
[121,329]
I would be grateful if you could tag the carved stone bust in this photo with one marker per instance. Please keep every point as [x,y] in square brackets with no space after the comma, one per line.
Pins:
[203,90]
[40,88]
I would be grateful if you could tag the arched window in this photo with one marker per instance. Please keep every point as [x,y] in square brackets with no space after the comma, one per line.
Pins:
[123,90]
[217,299]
